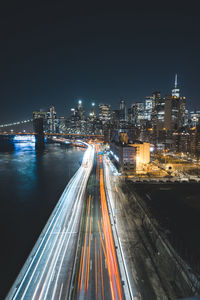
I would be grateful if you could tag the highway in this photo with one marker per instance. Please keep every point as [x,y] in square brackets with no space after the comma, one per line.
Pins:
[47,271]
[96,274]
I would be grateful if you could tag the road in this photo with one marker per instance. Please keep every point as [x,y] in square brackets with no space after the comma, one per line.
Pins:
[96,274]
[47,272]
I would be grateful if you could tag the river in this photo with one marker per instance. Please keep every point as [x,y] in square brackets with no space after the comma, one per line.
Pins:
[31,184]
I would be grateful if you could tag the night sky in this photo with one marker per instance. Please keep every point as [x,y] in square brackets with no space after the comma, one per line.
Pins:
[56,53]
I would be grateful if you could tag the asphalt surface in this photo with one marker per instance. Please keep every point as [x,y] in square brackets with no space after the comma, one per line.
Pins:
[96,273]
[47,272]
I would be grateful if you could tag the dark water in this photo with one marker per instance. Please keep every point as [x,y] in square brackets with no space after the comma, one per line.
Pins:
[30,186]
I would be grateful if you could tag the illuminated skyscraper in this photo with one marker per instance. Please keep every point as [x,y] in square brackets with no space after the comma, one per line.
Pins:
[176,91]
[122,111]
[51,119]
[104,113]
[80,110]
[148,108]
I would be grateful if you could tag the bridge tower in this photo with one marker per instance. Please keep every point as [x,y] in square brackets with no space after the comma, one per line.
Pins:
[38,124]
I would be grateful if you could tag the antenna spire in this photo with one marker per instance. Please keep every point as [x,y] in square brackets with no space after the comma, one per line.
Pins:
[175,84]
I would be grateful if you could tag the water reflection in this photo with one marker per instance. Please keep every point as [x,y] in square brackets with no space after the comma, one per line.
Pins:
[24,163]
[31,184]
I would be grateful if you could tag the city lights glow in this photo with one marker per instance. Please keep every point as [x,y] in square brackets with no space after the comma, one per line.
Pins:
[16,123]
[27,138]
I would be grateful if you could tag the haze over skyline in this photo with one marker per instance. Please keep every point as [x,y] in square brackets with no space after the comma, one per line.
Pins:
[55,53]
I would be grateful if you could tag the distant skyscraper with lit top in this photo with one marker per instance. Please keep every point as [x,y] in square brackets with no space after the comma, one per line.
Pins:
[176,90]
[175,107]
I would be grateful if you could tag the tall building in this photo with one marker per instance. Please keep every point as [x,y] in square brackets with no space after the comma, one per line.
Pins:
[92,120]
[51,120]
[157,107]
[80,110]
[122,111]
[61,124]
[175,109]
[194,117]
[104,113]
[115,118]
[93,112]
[176,90]
[136,113]
[148,108]
[77,121]
[158,111]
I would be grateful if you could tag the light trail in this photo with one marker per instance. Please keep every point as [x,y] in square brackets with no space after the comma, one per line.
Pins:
[96,245]
[110,189]
[115,281]
[52,256]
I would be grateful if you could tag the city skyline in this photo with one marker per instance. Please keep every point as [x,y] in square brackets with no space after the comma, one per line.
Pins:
[92,52]
[87,103]
[99,150]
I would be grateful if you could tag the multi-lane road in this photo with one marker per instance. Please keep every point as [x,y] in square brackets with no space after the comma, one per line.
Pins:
[96,275]
[47,272]
[75,256]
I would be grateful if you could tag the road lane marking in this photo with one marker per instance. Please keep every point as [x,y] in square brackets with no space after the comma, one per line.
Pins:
[101,273]
[96,268]
[60,291]
[80,269]
[36,277]
[86,268]
[84,254]
[89,256]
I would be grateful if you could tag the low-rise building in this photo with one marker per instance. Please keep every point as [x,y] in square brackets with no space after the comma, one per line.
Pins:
[130,156]
[124,155]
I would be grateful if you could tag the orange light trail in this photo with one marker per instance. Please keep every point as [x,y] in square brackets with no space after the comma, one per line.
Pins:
[86,271]
[84,254]
[96,268]
[87,278]
[101,273]
[116,288]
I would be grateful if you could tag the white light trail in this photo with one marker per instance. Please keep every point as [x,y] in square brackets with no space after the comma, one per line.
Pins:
[55,247]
